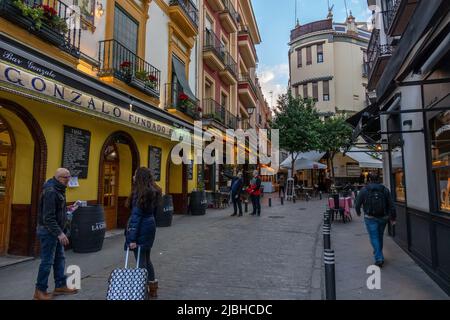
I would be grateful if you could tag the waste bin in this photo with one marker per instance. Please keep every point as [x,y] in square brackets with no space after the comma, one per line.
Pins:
[198,203]
[164,214]
[88,229]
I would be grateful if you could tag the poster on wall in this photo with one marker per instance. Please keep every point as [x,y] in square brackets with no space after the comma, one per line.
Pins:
[76,147]
[154,162]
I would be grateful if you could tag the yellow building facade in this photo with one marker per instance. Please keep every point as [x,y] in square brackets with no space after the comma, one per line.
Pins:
[77,97]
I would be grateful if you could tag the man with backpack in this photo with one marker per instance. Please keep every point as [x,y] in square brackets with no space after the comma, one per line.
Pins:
[379,209]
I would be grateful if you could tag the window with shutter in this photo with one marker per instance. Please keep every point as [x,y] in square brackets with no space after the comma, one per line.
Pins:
[299,58]
[315,86]
[326,90]
[320,53]
[308,56]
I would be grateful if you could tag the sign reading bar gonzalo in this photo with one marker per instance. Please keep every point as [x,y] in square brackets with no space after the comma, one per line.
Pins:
[77,100]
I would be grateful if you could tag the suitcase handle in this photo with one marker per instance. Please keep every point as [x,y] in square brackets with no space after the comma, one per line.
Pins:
[138,257]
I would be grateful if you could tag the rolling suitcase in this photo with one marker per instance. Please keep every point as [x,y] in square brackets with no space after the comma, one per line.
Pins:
[128,284]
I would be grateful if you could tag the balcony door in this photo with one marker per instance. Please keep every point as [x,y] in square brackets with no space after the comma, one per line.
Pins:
[110,174]
[6,169]
[126,29]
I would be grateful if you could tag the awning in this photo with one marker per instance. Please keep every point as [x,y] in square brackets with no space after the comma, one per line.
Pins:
[180,71]
[364,159]
[305,161]
[366,123]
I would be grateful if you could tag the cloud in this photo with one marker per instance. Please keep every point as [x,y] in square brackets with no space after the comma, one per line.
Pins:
[273,79]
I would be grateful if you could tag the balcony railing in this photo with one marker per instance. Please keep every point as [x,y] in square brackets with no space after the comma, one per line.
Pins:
[51,20]
[177,99]
[230,64]
[212,42]
[245,125]
[189,9]
[118,61]
[212,110]
[365,71]
[375,51]
[390,12]
[245,77]
[311,27]
[229,7]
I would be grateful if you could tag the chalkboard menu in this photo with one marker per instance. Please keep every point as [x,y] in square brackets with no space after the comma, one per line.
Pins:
[76,151]
[190,168]
[154,162]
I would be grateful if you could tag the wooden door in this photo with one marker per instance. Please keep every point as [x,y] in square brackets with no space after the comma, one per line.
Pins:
[110,192]
[5,192]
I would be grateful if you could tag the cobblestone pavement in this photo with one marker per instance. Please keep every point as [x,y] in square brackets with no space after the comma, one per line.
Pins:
[276,256]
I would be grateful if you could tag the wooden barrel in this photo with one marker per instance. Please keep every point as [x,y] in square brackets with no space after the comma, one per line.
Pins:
[88,229]
[198,203]
[164,214]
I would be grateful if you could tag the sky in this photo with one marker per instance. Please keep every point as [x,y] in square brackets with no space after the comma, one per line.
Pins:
[275,20]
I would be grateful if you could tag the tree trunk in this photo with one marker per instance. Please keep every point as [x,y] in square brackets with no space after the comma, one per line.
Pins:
[332,166]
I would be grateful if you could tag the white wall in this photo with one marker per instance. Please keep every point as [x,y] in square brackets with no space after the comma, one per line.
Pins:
[414,148]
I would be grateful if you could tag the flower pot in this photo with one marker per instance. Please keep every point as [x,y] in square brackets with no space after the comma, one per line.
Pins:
[50,35]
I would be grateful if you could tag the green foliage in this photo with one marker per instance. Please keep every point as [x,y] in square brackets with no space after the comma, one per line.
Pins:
[335,134]
[298,122]
[40,16]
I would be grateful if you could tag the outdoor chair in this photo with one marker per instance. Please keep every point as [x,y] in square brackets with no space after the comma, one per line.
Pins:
[337,211]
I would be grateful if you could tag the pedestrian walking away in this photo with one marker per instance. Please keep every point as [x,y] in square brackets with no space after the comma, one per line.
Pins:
[379,210]
[237,183]
[51,232]
[141,228]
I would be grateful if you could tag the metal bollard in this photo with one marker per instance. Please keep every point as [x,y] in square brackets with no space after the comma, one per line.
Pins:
[282,201]
[320,195]
[270,202]
[330,275]
[293,199]
[246,206]
[326,236]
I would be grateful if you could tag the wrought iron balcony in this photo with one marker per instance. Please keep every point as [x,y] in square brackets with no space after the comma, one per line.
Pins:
[245,78]
[212,44]
[396,15]
[177,99]
[245,125]
[377,57]
[212,110]
[230,64]
[51,20]
[121,63]
[229,17]
[188,8]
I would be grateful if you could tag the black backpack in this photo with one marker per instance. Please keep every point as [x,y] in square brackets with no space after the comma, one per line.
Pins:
[376,201]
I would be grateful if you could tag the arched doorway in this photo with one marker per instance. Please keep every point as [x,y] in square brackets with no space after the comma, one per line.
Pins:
[177,185]
[22,189]
[7,147]
[118,162]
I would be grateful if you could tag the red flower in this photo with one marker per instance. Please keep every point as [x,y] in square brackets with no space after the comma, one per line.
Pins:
[152,78]
[48,10]
[183,97]
[125,64]
[199,109]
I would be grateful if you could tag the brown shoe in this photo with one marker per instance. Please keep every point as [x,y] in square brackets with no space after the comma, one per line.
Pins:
[153,289]
[64,291]
[41,295]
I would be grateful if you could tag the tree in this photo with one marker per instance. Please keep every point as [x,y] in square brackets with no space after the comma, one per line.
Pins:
[335,134]
[299,125]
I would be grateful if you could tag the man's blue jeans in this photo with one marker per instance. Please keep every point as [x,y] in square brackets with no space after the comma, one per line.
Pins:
[376,228]
[52,254]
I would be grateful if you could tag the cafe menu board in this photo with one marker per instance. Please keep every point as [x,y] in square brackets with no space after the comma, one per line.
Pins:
[190,168]
[154,162]
[76,151]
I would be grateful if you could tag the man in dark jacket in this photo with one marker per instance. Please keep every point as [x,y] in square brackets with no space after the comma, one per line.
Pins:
[237,183]
[378,210]
[50,231]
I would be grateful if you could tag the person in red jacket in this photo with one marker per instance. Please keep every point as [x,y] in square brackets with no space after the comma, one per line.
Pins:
[255,193]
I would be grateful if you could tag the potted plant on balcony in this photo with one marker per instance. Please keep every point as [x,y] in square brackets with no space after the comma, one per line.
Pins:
[45,21]
[125,70]
[152,81]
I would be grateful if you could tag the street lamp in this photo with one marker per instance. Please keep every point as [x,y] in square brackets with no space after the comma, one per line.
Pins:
[251,110]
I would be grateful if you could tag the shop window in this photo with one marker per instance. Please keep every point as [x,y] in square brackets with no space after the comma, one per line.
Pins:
[398,174]
[440,148]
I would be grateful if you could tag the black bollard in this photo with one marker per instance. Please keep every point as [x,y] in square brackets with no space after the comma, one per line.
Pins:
[293,199]
[320,195]
[326,236]
[330,276]
[282,201]
[246,206]
[270,202]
